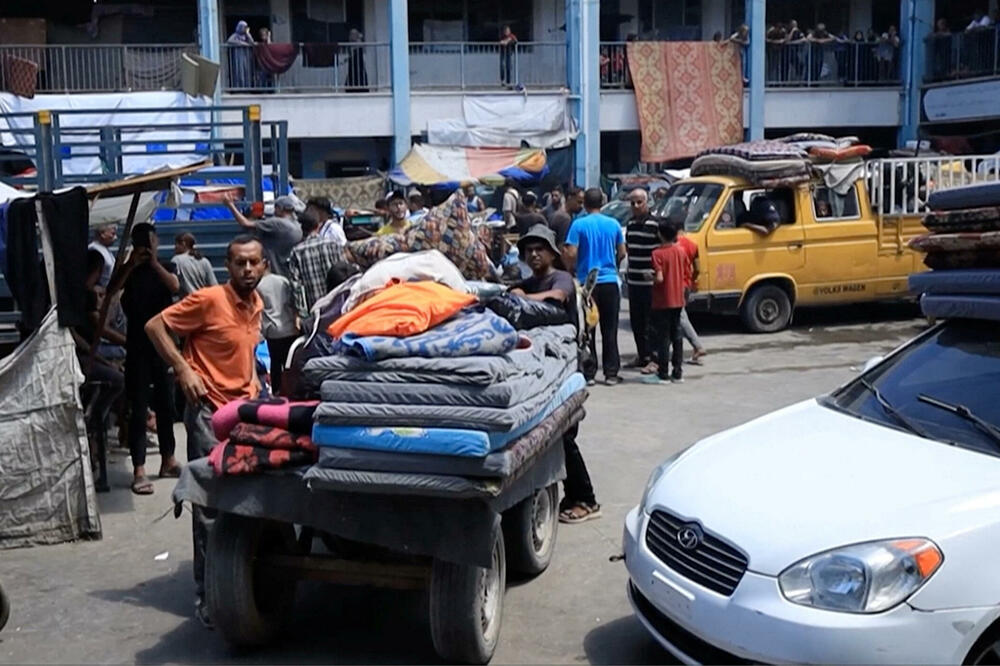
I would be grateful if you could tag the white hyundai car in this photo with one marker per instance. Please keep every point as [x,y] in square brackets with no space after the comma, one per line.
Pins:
[859,527]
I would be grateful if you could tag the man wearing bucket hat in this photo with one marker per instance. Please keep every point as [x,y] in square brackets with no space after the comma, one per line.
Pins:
[549,283]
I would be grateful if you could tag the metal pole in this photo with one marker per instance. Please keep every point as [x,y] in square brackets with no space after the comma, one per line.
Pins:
[252,153]
[43,151]
[399,48]
[756,10]
[283,154]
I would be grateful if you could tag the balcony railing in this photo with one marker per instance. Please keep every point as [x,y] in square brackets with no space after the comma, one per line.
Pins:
[487,65]
[965,55]
[100,68]
[791,65]
[353,67]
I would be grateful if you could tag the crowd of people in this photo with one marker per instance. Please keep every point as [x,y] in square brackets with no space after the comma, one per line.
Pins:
[964,53]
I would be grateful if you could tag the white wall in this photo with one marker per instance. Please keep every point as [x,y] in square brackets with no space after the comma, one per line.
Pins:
[783,108]
[281,22]
[548,16]
[432,105]
[322,116]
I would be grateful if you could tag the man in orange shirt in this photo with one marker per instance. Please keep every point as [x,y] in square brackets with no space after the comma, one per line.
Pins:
[671,266]
[221,327]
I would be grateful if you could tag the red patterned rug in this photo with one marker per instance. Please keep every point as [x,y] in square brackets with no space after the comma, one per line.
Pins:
[689,96]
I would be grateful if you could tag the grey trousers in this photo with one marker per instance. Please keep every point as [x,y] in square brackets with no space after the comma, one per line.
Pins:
[690,334]
[200,441]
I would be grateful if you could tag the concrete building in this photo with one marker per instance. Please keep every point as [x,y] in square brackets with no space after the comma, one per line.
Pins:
[365,77]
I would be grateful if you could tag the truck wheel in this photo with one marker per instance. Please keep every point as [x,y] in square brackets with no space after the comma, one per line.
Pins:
[466,607]
[248,605]
[529,530]
[4,608]
[766,309]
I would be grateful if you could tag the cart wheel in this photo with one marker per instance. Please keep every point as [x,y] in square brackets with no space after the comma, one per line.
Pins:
[247,606]
[4,608]
[529,530]
[466,607]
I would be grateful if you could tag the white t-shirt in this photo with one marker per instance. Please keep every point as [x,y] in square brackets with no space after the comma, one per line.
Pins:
[109,262]
[333,230]
[981,23]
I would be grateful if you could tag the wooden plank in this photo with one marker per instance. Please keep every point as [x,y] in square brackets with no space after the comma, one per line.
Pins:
[348,572]
[149,182]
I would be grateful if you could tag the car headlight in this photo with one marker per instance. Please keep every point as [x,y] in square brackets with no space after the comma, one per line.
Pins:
[657,473]
[864,578]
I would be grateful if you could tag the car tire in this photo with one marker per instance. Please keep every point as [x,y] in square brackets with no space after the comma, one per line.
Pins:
[466,607]
[530,528]
[986,649]
[766,309]
[248,606]
[4,608]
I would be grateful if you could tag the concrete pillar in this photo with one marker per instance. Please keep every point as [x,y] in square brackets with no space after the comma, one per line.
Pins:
[916,18]
[399,48]
[755,11]
[714,18]
[281,22]
[208,29]
[583,70]
[860,16]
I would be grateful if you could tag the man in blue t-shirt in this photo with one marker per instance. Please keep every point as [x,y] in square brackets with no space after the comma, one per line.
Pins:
[596,241]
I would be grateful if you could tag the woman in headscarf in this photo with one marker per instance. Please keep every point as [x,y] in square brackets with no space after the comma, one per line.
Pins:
[357,75]
[240,59]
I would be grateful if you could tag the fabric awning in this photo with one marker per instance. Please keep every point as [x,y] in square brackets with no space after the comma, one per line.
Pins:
[427,164]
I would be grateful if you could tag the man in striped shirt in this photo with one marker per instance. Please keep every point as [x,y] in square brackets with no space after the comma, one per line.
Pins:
[641,238]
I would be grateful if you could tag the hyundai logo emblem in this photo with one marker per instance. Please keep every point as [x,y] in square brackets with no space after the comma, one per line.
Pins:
[689,538]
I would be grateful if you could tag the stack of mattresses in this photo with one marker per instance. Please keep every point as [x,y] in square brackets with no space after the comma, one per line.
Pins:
[963,248]
[763,163]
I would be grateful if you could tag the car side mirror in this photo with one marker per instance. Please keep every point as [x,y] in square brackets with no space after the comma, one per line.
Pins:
[871,363]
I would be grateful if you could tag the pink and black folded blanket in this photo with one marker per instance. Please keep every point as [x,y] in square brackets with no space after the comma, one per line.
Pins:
[229,459]
[295,417]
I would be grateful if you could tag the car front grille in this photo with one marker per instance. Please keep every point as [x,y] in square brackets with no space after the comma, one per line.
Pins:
[703,558]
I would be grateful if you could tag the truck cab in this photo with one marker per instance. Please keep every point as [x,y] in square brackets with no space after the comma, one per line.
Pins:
[844,242]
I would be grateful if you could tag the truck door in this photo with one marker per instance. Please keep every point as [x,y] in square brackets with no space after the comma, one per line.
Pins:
[736,254]
[842,245]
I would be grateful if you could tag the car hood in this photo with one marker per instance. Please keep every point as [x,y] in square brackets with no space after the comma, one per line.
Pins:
[808,478]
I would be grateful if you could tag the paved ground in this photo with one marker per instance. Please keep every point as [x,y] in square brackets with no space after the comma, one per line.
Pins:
[116,601]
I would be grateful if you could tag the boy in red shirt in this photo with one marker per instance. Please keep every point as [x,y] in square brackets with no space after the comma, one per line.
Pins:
[671,267]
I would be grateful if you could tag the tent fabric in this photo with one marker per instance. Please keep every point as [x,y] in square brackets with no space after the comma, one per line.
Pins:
[506,121]
[428,164]
[360,192]
[47,488]
[689,97]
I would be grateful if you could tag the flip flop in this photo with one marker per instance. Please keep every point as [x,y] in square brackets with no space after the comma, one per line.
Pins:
[589,513]
[142,486]
[172,473]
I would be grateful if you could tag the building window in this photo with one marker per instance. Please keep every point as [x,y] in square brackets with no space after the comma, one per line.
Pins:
[469,20]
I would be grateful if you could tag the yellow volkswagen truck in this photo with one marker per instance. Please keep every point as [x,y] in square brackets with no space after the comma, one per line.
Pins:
[827,244]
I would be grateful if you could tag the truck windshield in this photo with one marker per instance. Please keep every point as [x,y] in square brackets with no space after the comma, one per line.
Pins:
[957,364]
[690,203]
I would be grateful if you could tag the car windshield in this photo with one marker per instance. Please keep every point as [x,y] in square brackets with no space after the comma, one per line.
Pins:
[690,203]
[958,364]
[618,209]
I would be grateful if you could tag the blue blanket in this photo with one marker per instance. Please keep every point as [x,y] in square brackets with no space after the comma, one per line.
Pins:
[471,332]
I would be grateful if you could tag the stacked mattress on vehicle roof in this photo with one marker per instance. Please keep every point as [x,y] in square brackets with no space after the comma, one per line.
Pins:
[783,162]
[963,249]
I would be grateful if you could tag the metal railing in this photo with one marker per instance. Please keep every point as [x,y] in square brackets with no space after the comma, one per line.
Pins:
[900,186]
[964,55]
[487,65]
[352,67]
[791,65]
[99,68]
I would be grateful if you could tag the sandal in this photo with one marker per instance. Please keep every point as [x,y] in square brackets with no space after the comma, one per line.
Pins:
[171,472]
[651,369]
[580,513]
[142,486]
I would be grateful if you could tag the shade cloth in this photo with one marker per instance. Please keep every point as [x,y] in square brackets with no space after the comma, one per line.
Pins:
[427,164]
[689,96]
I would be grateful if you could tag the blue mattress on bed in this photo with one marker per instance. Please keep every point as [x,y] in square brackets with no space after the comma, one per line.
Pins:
[961,306]
[970,281]
[439,441]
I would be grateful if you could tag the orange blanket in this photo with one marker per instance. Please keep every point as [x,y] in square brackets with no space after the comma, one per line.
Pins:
[401,310]
[689,96]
